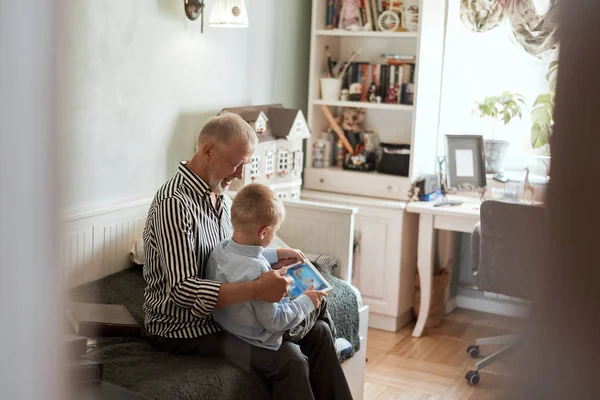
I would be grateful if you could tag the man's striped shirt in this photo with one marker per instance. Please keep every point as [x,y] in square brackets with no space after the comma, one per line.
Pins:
[182,229]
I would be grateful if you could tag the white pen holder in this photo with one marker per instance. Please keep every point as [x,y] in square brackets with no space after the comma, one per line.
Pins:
[330,89]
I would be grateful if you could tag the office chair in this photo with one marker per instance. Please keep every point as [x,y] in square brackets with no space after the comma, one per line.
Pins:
[506,250]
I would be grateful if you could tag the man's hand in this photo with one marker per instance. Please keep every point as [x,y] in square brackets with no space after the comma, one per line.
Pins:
[271,286]
[288,257]
[315,295]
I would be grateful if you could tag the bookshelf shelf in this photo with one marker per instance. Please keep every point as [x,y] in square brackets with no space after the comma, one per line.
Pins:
[342,32]
[360,104]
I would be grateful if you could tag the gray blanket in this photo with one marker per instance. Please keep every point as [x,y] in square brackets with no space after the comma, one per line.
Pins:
[134,364]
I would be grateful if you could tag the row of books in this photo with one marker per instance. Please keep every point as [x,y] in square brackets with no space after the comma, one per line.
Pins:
[369,10]
[385,83]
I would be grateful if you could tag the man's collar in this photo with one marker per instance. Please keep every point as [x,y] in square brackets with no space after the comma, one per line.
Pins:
[245,250]
[193,180]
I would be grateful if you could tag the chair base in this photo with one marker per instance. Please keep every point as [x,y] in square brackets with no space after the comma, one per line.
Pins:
[511,342]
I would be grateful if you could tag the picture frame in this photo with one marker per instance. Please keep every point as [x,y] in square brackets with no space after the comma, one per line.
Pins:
[466,163]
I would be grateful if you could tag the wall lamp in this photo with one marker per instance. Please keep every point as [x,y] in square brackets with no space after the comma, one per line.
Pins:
[224,13]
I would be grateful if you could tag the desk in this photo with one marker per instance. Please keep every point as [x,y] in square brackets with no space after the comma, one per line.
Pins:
[460,218]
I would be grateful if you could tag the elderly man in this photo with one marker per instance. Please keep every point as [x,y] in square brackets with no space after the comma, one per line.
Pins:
[187,219]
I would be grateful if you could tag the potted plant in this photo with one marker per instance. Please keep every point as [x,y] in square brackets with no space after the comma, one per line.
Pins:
[542,113]
[499,108]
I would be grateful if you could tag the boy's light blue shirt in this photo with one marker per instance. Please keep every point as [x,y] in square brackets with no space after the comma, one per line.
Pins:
[257,322]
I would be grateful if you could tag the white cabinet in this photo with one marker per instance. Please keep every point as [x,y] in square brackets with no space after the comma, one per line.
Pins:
[384,257]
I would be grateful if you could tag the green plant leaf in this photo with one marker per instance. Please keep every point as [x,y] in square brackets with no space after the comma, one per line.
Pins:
[541,115]
[540,135]
[543,99]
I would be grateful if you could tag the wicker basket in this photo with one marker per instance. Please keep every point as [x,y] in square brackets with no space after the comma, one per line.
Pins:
[438,297]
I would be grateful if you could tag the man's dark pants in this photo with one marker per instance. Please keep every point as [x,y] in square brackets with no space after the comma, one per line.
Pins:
[308,369]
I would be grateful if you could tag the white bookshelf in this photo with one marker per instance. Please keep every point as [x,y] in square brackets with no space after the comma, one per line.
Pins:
[396,123]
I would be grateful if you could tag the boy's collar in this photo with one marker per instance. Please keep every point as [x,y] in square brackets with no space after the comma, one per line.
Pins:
[245,250]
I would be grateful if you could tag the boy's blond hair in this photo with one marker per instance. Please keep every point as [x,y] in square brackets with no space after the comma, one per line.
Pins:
[256,206]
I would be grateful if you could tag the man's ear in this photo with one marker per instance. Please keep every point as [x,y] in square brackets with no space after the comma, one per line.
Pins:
[208,149]
[263,231]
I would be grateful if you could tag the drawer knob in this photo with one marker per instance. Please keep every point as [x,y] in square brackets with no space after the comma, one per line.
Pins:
[389,187]
[321,180]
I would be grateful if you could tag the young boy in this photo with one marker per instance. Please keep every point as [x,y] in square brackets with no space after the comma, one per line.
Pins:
[256,215]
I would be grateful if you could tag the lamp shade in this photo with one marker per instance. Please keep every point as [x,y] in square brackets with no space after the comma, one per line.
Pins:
[229,14]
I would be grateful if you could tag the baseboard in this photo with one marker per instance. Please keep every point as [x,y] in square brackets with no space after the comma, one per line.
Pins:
[389,323]
[96,242]
[451,305]
[502,307]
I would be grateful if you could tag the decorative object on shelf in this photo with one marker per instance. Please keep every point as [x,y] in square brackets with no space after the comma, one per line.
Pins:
[330,89]
[389,21]
[278,158]
[411,19]
[466,163]
[395,159]
[229,14]
[321,153]
[350,16]
[371,94]
[337,129]
[351,119]
[504,107]
[542,113]
[345,95]
[536,33]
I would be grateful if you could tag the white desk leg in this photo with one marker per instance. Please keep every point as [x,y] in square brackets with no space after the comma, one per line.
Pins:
[425,266]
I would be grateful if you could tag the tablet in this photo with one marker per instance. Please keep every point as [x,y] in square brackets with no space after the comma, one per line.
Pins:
[304,275]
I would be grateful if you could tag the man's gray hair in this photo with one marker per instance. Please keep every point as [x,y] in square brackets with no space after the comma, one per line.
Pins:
[226,127]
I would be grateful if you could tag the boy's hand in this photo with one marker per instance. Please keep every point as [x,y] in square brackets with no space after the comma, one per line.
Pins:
[271,286]
[288,256]
[315,295]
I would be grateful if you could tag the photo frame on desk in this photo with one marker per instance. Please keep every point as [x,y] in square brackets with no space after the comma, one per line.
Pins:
[466,163]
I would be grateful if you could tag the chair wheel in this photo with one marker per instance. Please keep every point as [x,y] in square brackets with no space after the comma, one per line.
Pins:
[472,377]
[473,351]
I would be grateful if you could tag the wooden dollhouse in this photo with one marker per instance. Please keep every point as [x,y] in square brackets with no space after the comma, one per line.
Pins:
[278,160]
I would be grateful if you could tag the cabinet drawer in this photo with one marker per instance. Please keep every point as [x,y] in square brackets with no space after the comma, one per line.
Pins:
[370,184]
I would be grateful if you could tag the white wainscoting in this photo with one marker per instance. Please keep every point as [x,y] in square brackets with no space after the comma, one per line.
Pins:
[97,243]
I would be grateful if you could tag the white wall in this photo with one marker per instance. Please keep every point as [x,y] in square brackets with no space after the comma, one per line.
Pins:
[485,64]
[138,80]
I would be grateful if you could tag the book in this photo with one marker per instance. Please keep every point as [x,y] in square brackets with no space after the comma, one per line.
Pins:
[97,320]
[304,275]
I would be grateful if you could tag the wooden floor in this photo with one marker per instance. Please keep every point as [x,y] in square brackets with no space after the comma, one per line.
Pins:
[434,366]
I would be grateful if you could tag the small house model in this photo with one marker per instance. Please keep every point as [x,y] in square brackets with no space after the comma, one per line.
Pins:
[278,159]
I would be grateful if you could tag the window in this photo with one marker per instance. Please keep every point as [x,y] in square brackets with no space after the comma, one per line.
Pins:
[283,161]
[269,163]
[255,166]
[299,126]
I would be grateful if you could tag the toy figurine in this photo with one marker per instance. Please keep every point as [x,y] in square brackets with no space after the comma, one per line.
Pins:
[392,96]
[345,95]
[371,93]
